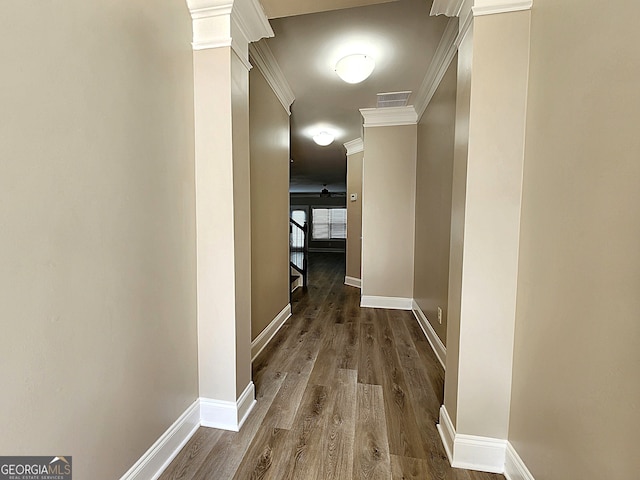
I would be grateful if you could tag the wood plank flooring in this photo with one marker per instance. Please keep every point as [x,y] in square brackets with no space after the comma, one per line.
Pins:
[343,393]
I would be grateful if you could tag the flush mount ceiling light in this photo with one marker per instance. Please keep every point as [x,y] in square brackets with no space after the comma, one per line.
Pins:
[323,138]
[355,68]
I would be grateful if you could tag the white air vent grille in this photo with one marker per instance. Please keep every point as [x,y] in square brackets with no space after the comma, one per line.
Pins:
[393,99]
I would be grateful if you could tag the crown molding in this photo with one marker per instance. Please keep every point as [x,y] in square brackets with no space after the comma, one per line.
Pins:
[354,146]
[450,8]
[389,116]
[262,57]
[224,23]
[453,34]
[491,7]
[445,52]
[451,39]
[252,20]
[464,26]
[242,54]
[465,18]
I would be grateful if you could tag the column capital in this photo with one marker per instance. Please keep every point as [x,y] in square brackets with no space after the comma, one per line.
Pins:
[262,57]
[389,116]
[228,23]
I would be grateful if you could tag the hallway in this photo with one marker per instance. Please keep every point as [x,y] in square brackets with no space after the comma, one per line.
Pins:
[343,393]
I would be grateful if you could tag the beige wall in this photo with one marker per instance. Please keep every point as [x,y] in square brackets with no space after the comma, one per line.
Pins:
[269,140]
[354,214]
[97,250]
[388,211]
[434,176]
[575,411]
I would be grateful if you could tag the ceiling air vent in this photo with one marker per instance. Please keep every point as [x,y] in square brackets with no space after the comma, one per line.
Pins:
[393,99]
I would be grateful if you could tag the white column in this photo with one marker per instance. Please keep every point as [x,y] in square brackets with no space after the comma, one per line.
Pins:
[493,62]
[222,32]
[355,155]
[388,206]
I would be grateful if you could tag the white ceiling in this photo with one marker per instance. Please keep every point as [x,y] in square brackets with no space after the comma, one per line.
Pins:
[401,37]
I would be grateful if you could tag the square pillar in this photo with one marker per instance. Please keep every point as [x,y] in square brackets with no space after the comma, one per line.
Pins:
[493,67]
[222,32]
[388,206]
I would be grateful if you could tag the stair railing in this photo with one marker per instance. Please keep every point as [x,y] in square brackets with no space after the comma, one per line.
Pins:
[299,248]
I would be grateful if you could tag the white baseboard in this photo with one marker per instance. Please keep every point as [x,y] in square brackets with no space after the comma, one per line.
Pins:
[447,432]
[471,452]
[269,332]
[227,415]
[155,460]
[485,454]
[394,303]
[203,412]
[515,468]
[353,282]
[436,344]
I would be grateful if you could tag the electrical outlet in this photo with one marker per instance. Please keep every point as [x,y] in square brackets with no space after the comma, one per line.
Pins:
[439,315]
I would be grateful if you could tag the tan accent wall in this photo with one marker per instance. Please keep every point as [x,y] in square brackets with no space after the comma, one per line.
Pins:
[269,145]
[388,211]
[575,411]
[97,221]
[354,214]
[434,178]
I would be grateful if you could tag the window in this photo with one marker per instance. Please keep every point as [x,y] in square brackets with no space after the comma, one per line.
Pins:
[299,216]
[297,235]
[329,223]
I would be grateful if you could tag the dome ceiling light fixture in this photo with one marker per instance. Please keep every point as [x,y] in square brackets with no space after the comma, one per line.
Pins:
[323,138]
[355,68]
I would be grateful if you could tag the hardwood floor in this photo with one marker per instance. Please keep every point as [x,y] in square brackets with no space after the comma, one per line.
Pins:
[343,393]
